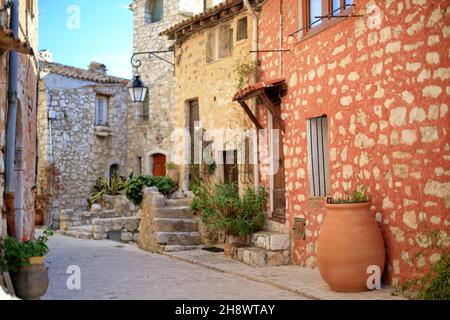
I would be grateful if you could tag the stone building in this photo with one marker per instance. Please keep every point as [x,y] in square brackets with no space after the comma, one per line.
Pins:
[151,124]
[209,50]
[376,89]
[82,124]
[18,110]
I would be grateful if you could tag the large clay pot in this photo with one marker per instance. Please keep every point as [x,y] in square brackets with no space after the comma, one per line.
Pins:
[350,241]
[31,282]
[173,174]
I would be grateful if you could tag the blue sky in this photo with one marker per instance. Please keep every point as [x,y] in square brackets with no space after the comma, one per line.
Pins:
[103,33]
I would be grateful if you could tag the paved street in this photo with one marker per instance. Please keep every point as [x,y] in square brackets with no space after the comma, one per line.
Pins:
[115,271]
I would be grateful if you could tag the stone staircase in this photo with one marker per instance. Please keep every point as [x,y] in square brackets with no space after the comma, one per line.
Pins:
[117,220]
[266,249]
[168,224]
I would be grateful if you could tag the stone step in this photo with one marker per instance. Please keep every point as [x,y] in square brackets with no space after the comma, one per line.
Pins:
[81,232]
[178,248]
[183,202]
[174,212]
[271,241]
[178,238]
[257,257]
[174,225]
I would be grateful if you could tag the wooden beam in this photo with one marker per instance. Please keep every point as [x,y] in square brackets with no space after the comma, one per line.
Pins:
[276,114]
[250,114]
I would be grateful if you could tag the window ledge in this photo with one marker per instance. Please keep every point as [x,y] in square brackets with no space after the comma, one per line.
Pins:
[319,29]
[102,131]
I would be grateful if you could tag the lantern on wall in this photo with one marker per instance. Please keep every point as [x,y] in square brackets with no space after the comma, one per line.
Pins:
[137,90]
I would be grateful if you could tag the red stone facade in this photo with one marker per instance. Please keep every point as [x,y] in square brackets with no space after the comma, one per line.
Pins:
[25,151]
[383,82]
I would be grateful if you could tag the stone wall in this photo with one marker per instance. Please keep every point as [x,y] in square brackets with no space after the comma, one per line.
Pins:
[3,113]
[73,152]
[385,91]
[147,137]
[25,161]
[213,84]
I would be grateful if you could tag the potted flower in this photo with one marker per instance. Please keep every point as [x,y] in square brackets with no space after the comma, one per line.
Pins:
[350,242]
[172,171]
[223,209]
[25,261]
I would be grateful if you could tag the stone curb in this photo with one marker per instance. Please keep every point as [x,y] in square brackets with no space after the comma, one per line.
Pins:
[247,277]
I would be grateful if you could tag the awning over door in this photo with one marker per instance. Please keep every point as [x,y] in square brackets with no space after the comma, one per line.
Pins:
[9,43]
[270,93]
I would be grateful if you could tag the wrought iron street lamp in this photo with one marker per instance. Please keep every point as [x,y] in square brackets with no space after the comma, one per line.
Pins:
[138,91]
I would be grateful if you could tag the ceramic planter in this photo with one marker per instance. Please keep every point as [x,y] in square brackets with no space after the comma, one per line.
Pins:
[31,282]
[173,174]
[350,241]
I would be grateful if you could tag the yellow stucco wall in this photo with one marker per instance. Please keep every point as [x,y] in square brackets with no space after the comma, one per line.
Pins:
[214,85]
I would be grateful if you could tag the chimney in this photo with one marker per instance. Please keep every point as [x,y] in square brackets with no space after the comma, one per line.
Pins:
[97,67]
[46,55]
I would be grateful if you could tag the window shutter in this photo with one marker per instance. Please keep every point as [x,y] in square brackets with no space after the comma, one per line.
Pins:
[224,40]
[210,45]
[101,111]
[318,157]
[105,111]
[97,111]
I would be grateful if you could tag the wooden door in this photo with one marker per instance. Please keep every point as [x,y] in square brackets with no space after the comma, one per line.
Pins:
[230,167]
[279,185]
[194,117]
[159,165]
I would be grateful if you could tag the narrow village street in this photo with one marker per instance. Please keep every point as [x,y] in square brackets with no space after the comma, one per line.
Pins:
[225,150]
[117,271]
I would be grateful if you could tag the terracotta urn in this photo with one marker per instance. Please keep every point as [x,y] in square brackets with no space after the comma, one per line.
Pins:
[350,242]
[31,282]
[173,174]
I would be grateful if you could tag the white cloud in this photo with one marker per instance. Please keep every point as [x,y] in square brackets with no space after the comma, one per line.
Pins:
[123,6]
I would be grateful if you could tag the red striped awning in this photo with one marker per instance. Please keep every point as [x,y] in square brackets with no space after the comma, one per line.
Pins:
[249,91]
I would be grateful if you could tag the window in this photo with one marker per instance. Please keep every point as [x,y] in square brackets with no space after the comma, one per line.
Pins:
[145,113]
[318,157]
[139,165]
[312,9]
[113,170]
[155,11]
[242,29]
[101,111]
[219,42]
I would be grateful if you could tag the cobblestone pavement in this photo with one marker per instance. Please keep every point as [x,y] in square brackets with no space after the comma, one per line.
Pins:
[111,270]
[304,281]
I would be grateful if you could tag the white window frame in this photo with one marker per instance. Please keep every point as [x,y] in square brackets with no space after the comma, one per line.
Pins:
[101,111]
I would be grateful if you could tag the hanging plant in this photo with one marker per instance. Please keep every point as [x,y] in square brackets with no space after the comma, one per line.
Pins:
[245,71]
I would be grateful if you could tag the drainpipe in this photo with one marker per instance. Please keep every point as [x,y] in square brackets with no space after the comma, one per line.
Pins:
[254,107]
[11,122]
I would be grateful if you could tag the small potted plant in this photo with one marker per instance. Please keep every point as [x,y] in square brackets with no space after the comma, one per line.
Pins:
[25,261]
[172,171]
[350,242]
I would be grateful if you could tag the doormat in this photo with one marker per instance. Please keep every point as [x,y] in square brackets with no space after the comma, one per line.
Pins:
[213,249]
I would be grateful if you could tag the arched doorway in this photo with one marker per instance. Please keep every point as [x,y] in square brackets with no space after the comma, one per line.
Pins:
[158,165]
